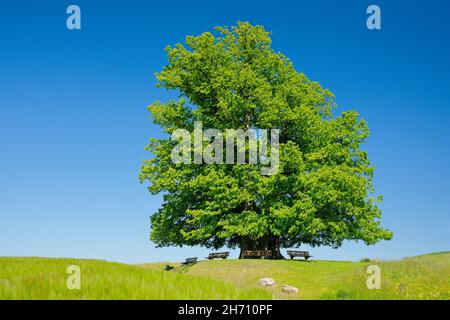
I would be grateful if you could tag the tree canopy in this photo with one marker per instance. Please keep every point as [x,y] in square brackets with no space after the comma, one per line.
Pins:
[322,193]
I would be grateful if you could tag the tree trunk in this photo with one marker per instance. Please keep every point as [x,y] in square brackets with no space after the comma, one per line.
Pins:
[266,243]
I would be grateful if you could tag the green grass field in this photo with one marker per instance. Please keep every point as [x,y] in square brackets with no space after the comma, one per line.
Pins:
[423,277]
[43,278]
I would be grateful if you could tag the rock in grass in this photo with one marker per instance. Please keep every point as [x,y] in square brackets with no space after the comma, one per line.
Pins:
[266,282]
[289,289]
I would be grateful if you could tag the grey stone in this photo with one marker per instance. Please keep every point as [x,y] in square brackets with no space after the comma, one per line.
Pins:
[266,282]
[289,289]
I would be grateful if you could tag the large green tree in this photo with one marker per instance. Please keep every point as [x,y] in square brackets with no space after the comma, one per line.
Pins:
[322,193]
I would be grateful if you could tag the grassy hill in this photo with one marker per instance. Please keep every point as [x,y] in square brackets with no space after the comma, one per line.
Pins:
[43,278]
[423,277]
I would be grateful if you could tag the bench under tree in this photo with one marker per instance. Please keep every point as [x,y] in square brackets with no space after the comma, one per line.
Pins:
[295,253]
[249,254]
[218,255]
[189,261]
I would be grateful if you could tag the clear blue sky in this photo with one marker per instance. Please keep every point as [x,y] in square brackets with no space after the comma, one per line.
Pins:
[73,118]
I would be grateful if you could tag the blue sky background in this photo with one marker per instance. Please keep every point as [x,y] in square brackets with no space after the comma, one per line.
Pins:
[74,123]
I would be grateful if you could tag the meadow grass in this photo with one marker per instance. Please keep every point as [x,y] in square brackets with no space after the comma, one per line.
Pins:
[423,277]
[45,278]
[313,278]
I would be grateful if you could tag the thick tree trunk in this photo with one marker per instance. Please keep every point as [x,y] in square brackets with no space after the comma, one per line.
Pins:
[267,243]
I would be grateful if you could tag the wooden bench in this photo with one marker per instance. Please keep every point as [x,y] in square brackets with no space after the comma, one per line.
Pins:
[304,254]
[189,261]
[256,254]
[217,255]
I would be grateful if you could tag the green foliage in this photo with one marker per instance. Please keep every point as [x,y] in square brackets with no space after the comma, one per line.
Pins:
[322,193]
